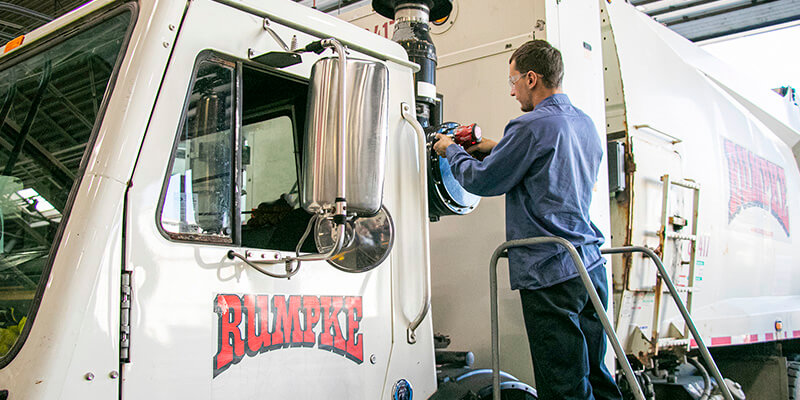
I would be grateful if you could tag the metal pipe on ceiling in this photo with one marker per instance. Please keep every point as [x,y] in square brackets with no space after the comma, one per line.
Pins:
[24,11]
[328,6]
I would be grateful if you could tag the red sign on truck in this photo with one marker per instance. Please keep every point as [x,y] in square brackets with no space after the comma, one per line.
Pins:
[755,182]
[249,325]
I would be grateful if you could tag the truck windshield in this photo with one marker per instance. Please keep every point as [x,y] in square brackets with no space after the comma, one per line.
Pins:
[49,104]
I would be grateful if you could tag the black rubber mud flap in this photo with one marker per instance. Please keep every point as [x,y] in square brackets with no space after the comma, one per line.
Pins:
[793,369]
[451,391]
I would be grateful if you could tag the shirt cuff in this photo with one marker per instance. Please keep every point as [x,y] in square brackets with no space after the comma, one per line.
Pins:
[452,150]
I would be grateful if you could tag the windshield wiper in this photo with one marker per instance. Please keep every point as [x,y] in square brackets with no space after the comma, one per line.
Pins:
[26,126]
[7,104]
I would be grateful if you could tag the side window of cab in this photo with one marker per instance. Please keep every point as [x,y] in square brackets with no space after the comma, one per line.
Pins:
[53,96]
[234,173]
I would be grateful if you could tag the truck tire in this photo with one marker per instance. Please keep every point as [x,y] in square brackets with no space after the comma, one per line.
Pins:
[793,369]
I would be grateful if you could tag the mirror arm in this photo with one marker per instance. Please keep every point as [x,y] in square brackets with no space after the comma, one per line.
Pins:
[324,256]
[289,271]
[297,258]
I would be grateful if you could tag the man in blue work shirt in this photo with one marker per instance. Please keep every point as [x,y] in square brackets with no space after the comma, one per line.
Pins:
[546,164]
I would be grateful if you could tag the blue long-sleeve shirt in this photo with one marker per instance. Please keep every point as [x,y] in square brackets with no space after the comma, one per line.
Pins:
[546,164]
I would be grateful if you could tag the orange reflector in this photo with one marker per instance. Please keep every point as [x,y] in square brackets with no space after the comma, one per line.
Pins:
[14,44]
[441,20]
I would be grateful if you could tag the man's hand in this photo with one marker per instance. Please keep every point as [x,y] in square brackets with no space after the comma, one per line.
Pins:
[442,142]
[485,147]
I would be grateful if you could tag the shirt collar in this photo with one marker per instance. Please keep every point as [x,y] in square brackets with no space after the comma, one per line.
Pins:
[558,98]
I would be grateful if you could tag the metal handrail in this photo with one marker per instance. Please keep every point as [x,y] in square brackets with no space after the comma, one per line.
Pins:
[587,282]
[411,332]
[684,312]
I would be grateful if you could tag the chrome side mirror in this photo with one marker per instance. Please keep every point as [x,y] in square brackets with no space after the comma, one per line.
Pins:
[351,163]
[364,147]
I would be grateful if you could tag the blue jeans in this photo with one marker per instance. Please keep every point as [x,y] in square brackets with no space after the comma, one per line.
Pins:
[567,340]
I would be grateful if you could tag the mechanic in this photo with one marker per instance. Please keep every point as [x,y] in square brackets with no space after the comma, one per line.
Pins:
[547,164]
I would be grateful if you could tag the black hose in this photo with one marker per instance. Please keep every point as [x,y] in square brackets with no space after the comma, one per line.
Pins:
[647,386]
[316,47]
[706,378]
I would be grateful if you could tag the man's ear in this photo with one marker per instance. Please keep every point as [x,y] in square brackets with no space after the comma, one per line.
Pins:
[532,79]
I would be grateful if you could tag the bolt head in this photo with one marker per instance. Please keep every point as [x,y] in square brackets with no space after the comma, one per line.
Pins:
[113,374]
[171,27]
[373,359]
[89,376]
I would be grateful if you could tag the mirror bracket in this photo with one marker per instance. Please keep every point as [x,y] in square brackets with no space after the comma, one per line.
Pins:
[277,59]
[275,36]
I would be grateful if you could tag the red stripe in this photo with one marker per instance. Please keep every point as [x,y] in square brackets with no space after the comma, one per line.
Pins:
[693,343]
[719,341]
[770,336]
[796,334]
[751,339]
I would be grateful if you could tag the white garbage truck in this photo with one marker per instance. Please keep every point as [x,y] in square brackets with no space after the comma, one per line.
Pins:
[725,225]
[215,199]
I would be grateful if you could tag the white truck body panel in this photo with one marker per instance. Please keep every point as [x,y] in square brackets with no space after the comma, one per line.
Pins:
[748,257]
[174,329]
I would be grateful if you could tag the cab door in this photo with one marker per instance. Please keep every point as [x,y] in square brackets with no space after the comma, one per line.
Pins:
[218,174]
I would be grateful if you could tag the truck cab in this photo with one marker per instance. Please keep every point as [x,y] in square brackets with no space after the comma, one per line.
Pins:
[143,144]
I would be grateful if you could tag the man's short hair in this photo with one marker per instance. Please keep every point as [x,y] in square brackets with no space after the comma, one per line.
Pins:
[542,58]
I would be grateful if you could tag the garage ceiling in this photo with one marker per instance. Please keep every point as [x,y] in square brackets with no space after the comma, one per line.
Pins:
[699,20]
[694,19]
[18,17]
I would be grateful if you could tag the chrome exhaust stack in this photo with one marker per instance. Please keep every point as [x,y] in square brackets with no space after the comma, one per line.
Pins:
[445,195]
[413,33]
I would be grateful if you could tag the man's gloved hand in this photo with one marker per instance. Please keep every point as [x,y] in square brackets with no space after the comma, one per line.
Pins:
[442,142]
[485,146]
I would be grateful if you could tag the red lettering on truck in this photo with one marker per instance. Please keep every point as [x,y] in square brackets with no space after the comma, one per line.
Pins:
[355,350]
[755,182]
[254,324]
[230,348]
[331,337]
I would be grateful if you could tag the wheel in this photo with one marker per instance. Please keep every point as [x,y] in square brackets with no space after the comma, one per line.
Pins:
[793,369]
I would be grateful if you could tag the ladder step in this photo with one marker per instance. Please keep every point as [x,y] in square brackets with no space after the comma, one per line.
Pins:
[681,289]
[686,184]
[678,236]
[672,342]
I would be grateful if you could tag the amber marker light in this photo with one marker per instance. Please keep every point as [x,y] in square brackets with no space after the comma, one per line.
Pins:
[14,44]
[441,21]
